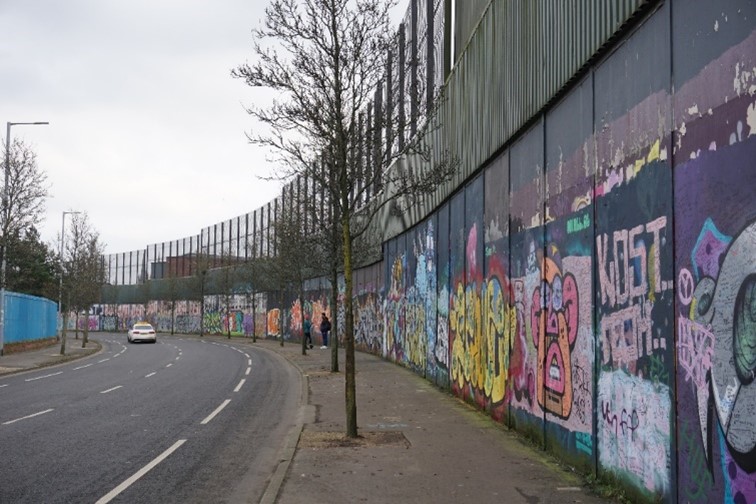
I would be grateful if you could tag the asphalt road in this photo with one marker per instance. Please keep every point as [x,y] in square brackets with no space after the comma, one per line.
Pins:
[182,420]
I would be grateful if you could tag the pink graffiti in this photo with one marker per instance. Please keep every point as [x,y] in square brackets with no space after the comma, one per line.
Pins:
[472,245]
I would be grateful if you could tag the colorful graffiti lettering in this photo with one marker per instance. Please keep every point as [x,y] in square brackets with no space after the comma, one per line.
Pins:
[628,285]
[633,271]
[498,318]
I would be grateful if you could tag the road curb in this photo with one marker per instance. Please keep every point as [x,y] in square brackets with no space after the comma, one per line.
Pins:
[305,415]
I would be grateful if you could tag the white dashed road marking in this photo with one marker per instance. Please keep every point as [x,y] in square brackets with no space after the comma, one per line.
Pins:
[217,410]
[141,472]
[28,416]
[45,376]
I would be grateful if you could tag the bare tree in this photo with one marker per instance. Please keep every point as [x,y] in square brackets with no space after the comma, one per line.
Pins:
[251,272]
[226,282]
[172,293]
[255,276]
[144,292]
[299,249]
[83,272]
[26,192]
[201,264]
[328,69]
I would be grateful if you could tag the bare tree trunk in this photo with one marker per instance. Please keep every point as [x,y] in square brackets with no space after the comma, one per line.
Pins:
[85,338]
[76,329]
[228,316]
[334,320]
[350,394]
[281,315]
[335,215]
[302,311]
[254,317]
[202,309]
[63,333]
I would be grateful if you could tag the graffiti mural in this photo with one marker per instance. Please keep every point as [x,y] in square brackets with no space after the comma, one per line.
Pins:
[634,302]
[497,309]
[716,288]
[468,359]
[369,323]
[394,308]
[498,318]
[554,319]
[274,323]
[526,244]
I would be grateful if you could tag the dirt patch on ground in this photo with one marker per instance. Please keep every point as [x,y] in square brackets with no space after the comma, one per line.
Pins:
[25,346]
[329,439]
[314,374]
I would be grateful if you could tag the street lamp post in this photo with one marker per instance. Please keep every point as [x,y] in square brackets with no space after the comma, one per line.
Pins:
[62,249]
[6,215]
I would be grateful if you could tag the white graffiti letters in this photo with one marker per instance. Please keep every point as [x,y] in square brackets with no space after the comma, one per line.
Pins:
[619,281]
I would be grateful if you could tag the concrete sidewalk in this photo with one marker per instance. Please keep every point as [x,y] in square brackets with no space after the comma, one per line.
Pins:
[47,355]
[417,443]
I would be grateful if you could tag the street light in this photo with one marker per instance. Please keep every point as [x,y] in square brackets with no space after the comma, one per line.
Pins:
[62,248]
[6,215]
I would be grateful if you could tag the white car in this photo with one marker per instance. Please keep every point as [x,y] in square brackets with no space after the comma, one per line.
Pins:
[142,331]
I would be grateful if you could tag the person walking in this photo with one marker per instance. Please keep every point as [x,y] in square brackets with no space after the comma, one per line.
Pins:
[325,328]
[307,327]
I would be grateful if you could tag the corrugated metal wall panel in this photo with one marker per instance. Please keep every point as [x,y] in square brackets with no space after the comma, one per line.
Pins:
[467,14]
[521,55]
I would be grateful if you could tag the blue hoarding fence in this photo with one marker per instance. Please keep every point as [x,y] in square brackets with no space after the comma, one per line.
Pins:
[29,318]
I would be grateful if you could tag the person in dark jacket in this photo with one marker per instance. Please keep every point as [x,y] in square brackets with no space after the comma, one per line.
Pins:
[325,328]
[307,327]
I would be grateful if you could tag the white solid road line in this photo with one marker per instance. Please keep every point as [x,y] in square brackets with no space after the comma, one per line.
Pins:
[217,410]
[45,376]
[238,387]
[28,416]
[111,389]
[141,472]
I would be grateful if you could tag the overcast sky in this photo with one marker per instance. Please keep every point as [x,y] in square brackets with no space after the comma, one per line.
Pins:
[147,128]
